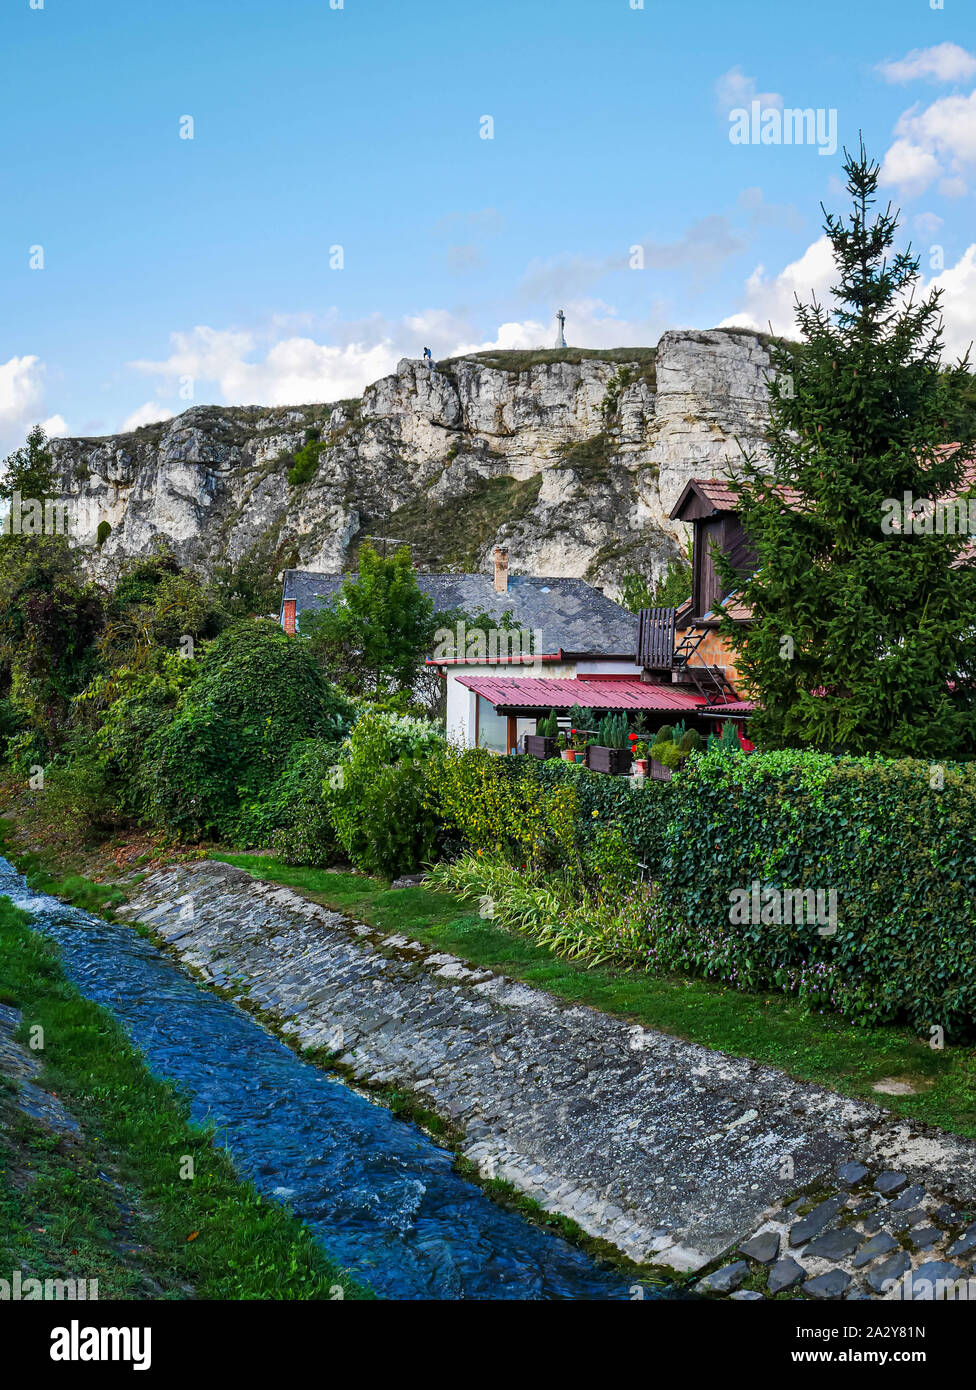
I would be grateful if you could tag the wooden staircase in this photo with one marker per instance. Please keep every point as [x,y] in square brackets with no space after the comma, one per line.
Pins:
[657,651]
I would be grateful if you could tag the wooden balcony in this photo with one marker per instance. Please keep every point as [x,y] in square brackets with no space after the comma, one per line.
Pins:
[655,639]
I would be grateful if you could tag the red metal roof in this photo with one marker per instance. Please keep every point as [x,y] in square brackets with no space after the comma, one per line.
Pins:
[528,692]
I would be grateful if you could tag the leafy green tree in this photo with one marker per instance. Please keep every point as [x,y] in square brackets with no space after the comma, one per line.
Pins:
[154,606]
[861,641]
[373,636]
[250,587]
[50,621]
[29,470]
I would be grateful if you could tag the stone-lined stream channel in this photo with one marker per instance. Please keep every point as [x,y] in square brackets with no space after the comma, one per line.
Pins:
[381,1196]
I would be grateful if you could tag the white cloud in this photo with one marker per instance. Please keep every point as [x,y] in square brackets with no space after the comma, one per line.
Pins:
[245,368]
[946,62]
[511,337]
[147,414]
[911,167]
[771,299]
[958,284]
[933,143]
[927,223]
[734,89]
[292,371]
[22,402]
[54,426]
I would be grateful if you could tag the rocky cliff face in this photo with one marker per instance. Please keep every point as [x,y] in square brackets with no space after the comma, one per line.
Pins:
[572,459]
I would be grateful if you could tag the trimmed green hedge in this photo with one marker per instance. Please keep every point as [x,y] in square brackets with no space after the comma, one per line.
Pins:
[897,850]
[894,840]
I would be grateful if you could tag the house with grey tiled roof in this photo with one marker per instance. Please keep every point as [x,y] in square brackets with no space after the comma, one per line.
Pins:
[564,629]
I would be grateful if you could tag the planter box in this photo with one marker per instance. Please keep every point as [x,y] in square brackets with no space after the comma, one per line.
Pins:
[616,761]
[658,771]
[538,746]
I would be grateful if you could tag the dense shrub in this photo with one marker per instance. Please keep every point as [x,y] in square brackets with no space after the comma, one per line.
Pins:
[377,798]
[129,709]
[893,840]
[257,694]
[898,852]
[640,813]
[11,723]
[291,816]
[309,836]
[78,798]
[506,805]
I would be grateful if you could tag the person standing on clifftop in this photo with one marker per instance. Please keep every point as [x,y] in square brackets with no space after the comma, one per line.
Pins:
[427,356]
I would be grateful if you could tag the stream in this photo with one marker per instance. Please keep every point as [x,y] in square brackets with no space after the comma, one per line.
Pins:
[379,1195]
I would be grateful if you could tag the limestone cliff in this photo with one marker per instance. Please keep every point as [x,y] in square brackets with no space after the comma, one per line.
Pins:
[571,458]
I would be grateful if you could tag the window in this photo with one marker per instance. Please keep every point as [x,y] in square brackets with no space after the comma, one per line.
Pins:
[492,727]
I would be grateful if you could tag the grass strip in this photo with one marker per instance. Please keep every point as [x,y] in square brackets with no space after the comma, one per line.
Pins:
[210,1235]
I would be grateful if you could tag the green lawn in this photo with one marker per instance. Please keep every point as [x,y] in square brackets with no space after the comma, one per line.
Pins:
[810,1046]
[145,1229]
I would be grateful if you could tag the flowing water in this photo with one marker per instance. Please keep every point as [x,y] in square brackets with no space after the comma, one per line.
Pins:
[378,1194]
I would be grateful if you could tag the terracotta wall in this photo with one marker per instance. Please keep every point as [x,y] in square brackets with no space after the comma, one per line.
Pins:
[715,651]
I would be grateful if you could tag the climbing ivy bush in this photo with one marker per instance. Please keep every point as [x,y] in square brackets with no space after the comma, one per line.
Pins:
[892,839]
[257,695]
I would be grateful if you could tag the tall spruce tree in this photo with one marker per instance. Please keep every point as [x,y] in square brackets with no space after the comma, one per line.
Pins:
[861,641]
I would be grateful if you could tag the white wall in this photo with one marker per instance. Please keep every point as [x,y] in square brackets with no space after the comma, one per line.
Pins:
[461,701]
[460,707]
[607,668]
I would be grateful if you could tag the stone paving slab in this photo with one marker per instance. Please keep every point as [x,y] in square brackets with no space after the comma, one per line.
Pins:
[674,1153]
[21,1066]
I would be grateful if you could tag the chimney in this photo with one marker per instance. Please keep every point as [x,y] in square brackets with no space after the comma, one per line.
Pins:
[501,570]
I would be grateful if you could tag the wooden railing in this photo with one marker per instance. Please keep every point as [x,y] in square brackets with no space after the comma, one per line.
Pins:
[655,639]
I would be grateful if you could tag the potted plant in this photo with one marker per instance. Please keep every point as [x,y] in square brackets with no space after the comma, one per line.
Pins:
[671,747]
[580,744]
[567,752]
[542,744]
[610,753]
[639,751]
[581,718]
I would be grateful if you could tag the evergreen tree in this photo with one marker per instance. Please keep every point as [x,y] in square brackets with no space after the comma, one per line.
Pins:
[861,640]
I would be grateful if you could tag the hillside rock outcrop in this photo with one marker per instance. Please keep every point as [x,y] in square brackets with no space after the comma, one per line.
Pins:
[572,459]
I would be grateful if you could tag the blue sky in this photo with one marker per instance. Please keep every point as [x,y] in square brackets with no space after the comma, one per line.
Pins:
[174,266]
